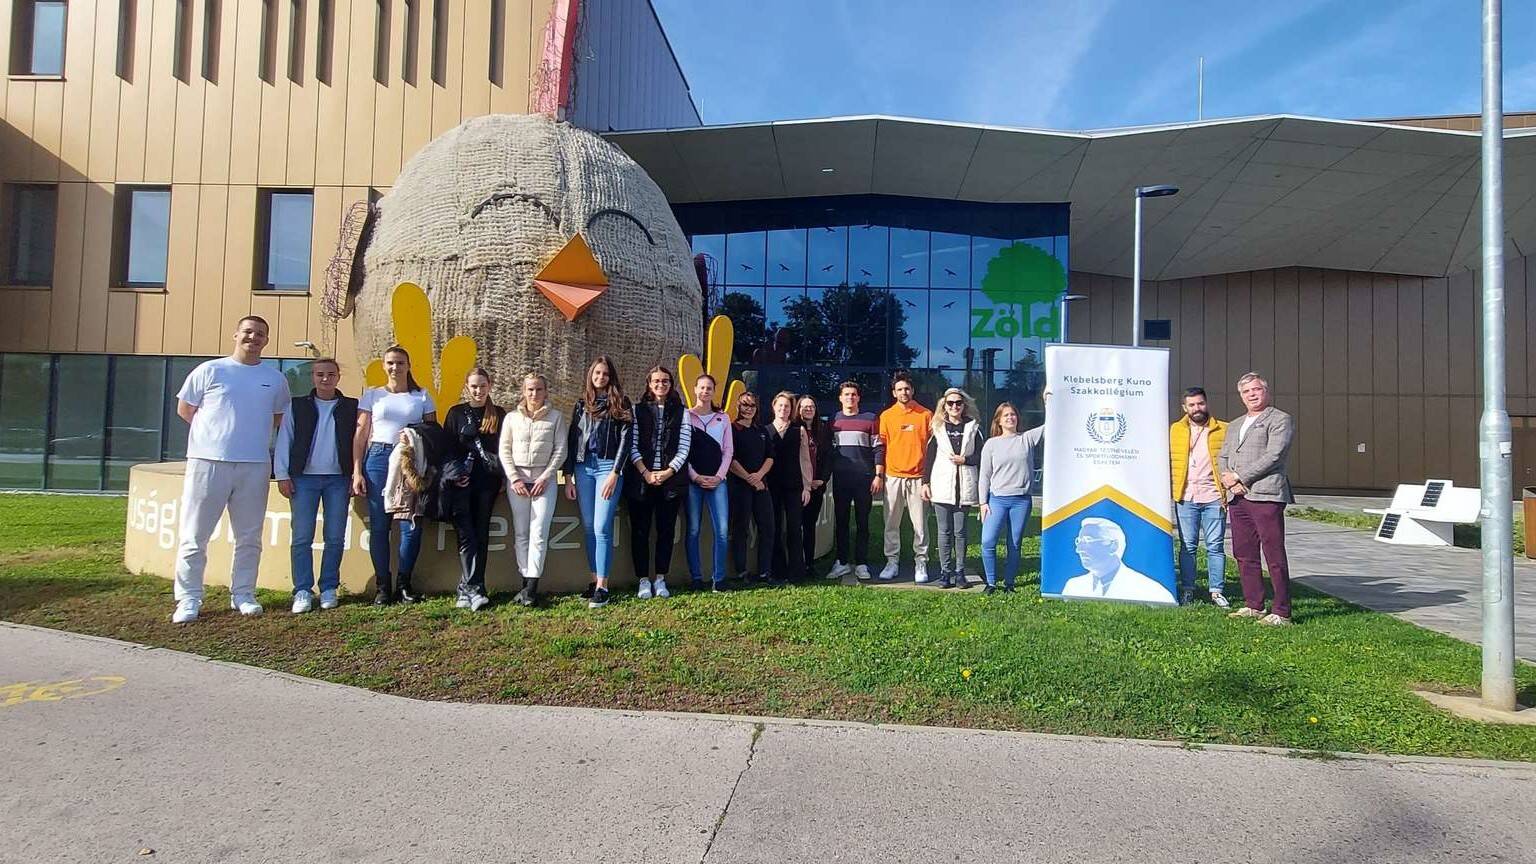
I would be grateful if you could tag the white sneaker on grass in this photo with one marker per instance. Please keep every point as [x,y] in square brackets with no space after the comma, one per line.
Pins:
[920,573]
[246,604]
[1219,599]
[461,602]
[890,571]
[303,601]
[861,572]
[328,600]
[659,587]
[186,611]
[478,601]
[645,590]
[839,570]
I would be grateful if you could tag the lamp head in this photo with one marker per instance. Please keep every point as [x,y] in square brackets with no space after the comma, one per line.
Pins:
[1156,191]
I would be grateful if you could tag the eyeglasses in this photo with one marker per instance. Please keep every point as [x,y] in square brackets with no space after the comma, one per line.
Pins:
[954,403]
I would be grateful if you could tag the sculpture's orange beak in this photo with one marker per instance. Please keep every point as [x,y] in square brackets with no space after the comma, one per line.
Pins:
[573,279]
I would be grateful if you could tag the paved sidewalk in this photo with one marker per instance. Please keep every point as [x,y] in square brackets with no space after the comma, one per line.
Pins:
[1436,587]
[203,761]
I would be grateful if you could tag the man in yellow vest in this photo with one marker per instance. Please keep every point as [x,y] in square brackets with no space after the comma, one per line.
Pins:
[1199,500]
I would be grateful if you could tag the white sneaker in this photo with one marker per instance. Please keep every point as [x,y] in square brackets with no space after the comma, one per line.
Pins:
[861,572]
[246,603]
[645,590]
[661,588]
[920,573]
[303,601]
[892,569]
[1219,599]
[839,570]
[328,600]
[461,602]
[478,601]
[186,611]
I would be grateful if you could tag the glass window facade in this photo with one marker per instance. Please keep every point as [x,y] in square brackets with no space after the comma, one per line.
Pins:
[147,236]
[289,220]
[819,290]
[81,421]
[48,24]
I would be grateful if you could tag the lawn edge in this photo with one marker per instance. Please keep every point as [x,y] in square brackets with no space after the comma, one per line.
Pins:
[1528,768]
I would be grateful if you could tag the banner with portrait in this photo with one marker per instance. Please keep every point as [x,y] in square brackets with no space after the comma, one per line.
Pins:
[1106,521]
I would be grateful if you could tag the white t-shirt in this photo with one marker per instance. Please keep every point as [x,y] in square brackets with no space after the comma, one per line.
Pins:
[1242,431]
[235,405]
[394,411]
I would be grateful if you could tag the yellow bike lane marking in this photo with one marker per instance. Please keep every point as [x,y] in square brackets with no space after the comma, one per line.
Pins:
[57,691]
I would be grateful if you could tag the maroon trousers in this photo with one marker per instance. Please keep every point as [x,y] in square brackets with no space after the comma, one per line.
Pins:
[1256,526]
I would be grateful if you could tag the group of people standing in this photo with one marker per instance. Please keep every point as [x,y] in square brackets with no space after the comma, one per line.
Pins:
[766,472]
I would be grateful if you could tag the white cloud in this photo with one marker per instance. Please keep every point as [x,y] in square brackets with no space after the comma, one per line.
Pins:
[1023,62]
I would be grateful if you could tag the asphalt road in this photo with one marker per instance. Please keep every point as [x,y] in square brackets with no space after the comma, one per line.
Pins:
[204,761]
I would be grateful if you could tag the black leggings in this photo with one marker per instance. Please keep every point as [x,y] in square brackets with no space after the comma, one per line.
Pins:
[653,506]
[852,489]
[788,548]
[754,506]
[472,522]
[808,524]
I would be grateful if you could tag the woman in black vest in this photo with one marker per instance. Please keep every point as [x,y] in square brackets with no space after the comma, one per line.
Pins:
[789,486]
[751,460]
[311,462]
[657,480]
[818,438]
[475,428]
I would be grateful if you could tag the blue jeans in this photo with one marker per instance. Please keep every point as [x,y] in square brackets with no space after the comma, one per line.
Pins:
[375,472]
[596,514]
[718,501]
[1013,509]
[309,490]
[1201,524]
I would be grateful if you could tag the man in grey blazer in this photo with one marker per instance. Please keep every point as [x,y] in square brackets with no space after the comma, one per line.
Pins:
[1252,465]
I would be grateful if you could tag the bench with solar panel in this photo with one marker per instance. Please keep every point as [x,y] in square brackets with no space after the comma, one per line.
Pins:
[1426,515]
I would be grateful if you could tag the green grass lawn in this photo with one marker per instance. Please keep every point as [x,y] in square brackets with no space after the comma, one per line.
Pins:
[1339,681]
[1465,536]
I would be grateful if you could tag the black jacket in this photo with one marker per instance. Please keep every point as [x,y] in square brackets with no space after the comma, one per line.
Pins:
[673,420]
[476,450]
[306,416]
[614,435]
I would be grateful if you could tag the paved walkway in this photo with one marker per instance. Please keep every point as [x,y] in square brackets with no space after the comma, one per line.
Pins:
[202,761]
[1436,587]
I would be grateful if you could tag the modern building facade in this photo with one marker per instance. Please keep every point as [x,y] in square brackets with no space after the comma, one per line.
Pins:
[170,166]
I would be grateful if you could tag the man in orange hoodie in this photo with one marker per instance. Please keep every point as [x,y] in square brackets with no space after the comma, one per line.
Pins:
[904,429]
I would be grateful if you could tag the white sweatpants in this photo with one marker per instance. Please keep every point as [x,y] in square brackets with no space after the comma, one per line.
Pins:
[530,528]
[905,494]
[209,489]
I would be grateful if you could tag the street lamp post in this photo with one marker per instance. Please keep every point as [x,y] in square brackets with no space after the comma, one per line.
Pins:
[1142,192]
[1065,301]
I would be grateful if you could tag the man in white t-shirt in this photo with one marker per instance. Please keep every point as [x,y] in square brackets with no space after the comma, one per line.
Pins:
[232,405]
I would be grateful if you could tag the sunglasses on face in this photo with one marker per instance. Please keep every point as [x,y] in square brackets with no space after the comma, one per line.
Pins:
[954,403]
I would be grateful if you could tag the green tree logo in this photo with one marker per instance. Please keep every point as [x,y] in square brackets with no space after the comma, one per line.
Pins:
[1023,275]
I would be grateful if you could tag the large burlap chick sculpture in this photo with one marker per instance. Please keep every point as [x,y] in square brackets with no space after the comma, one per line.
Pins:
[544,243]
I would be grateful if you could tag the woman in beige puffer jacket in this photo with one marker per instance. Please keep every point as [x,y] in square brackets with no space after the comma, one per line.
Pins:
[532,449]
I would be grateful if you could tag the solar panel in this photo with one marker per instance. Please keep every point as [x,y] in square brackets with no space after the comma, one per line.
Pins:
[1432,492]
[1388,526]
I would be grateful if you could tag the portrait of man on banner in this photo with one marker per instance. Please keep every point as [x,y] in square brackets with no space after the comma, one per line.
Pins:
[1101,548]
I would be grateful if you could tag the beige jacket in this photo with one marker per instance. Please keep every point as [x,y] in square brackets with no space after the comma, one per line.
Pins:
[532,447]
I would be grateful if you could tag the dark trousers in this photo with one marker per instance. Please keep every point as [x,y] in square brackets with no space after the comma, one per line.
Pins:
[754,506]
[1260,526]
[788,544]
[852,490]
[653,507]
[472,522]
[808,525]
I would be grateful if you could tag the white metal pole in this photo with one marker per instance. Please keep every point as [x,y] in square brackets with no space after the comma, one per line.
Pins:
[1062,338]
[1200,92]
[1495,441]
[1136,281]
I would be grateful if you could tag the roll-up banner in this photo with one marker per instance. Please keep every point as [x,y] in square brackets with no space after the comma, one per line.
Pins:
[1107,529]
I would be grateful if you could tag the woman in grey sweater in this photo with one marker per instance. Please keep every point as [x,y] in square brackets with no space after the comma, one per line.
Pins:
[1006,481]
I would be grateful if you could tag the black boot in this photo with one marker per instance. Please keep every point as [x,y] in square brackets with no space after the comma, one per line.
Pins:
[383,593]
[529,596]
[403,592]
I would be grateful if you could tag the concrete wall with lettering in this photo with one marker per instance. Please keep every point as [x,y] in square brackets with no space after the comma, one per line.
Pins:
[154,498]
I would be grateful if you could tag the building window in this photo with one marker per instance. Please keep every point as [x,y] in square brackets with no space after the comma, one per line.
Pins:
[1157,329]
[287,220]
[211,21]
[381,43]
[37,37]
[498,26]
[143,236]
[24,408]
[324,40]
[30,231]
[127,17]
[268,56]
[181,67]
[296,41]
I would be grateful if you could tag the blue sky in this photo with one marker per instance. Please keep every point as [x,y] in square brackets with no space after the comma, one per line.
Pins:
[1085,64]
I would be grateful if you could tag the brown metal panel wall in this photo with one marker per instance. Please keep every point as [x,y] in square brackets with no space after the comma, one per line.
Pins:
[272,128]
[447,96]
[416,119]
[303,97]
[357,145]
[1462,302]
[1410,439]
[160,103]
[331,118]
[475,60]
[245,134]
[187,146]
[133,102]
[1191,368]
[80,61]
[219,126]
[1335,311]
[1287,342]
[1516,329]
[102,164]
[1239,335]
[1213,369]
[68,257]
[208,336]
[95,271]
[1263,332]
[181,283]
[390,98]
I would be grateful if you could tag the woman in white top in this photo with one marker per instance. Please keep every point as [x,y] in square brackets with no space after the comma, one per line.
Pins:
[381,415]
[532,449]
